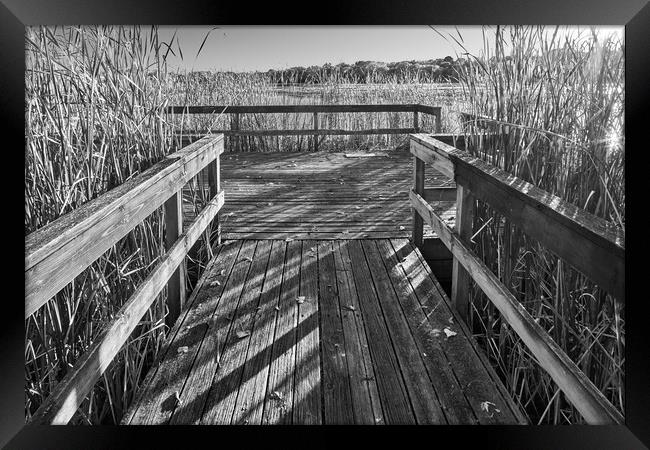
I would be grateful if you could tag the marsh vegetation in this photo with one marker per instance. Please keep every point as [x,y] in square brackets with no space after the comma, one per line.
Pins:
[95,100]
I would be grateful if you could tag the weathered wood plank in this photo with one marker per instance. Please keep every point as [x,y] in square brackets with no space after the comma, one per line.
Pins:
[590,244]
[424,399]
[278,404]
[392,391]
[363,383]
[156,396]
[582,393]
[250,399]
[195,391]
[336,380]
[460,283]
[220,404]
[307,408]
[454,404]
[513,406]
[176,294]
[195,134]
[418,186]
[61,404]
[61,250]
[476,384]
[275,109]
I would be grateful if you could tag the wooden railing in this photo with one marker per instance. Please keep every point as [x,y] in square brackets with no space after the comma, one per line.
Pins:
[57,253]
[237,111]
[588,243]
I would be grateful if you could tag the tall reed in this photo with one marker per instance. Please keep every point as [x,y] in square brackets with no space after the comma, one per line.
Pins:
[557,106]
[94,99]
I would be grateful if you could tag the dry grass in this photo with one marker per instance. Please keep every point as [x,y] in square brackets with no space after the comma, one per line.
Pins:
[94,117]
[565,100]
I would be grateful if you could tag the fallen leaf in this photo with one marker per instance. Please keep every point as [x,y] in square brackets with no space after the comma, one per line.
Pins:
[300,299]
[277,308]
[215,283]
[485,406]
[401,228]
[223,271]
[183,349]
[435,332]
[177,398]
[275,395]
[288,240]
[350,307]
[449,333]
[242,334]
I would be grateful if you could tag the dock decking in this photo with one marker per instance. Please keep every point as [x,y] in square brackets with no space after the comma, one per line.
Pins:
[320,332]
[320,195]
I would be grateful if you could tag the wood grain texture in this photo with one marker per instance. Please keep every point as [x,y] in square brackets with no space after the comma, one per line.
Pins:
[592,245]
[59,251]
[63,402]
[582,393]
[336,378]
[363,353]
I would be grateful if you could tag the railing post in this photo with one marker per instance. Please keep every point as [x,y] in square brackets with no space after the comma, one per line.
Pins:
[214,183]
[176,283]
[439,120]
[315,129]
[465,209]
[418,188]
[416,122]
[235,127]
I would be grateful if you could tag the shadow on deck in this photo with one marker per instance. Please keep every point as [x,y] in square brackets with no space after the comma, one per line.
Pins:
[321,331]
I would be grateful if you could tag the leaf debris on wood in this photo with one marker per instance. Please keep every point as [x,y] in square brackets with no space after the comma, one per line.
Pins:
[485,406]
[300,299]
[449,332]
[183,349]
[350,307]
[242,334]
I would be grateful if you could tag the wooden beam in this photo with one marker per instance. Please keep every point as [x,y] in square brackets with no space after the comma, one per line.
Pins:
[58,252]
[582,393]
[424,152]
[440,194]
[460,279]
[590,244]
[316,131]
[418,186]
[62,403]
[298,132]
[173,229]
[275,109]
[214,183]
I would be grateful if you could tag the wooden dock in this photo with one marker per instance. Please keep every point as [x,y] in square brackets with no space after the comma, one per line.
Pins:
[321,332]
[316,308]
[320,195]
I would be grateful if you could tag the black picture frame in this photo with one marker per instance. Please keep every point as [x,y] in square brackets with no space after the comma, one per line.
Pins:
[634,14]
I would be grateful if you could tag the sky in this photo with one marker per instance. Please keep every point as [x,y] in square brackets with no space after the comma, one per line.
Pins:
[251,48]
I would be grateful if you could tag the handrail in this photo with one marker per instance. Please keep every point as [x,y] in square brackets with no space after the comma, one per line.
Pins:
[313,109]
[270,109]
[587,242]
[61,250]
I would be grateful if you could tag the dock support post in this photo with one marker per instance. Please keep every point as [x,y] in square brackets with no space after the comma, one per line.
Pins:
[418,188]
[465,209]
[214,182]
[315,129]
[173,229]
[236,137]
